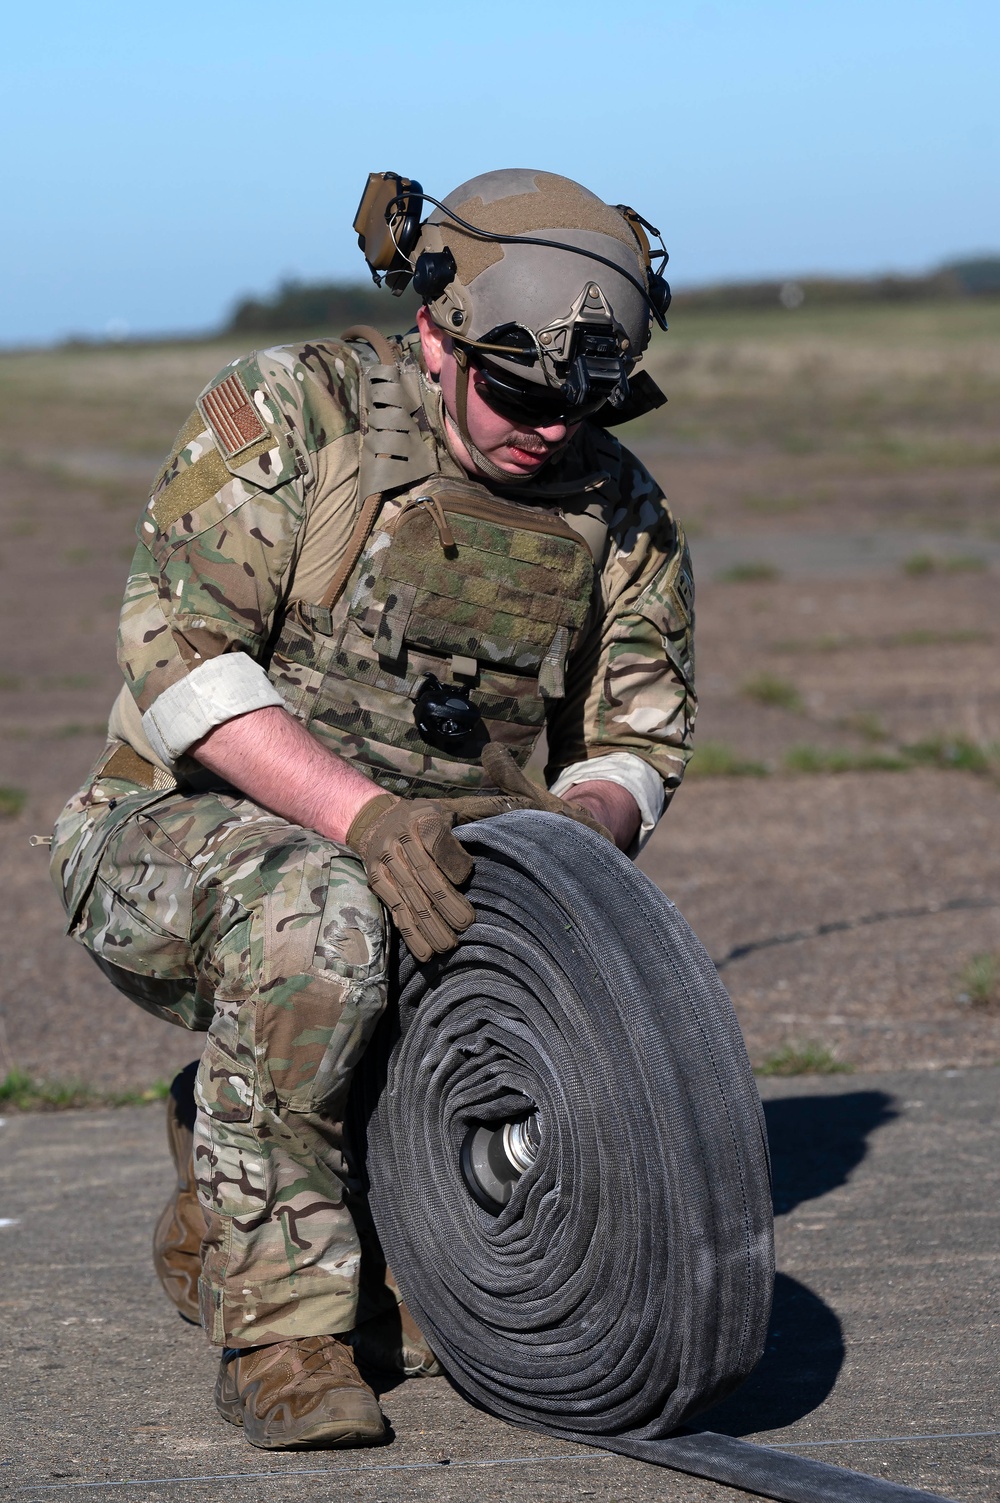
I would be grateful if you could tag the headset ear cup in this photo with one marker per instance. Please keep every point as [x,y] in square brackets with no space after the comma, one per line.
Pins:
[409,232]
[388,226]
[659,293]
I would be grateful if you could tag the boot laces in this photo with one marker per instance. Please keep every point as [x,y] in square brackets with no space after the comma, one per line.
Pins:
[322,1353]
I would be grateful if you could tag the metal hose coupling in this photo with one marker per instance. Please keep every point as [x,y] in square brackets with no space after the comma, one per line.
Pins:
[494,1156]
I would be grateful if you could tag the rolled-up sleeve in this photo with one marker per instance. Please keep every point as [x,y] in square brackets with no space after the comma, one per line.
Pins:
[216,691]
[629,772]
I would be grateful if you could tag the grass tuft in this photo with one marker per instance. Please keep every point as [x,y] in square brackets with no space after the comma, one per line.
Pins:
[22,1093]
[803,1059]
[825,759]
[922,637]
[768,689]
[714,759]
[867,724]
[957,753]
[12,801]
[751,572]
[979,980]
[918,564]
[930,563]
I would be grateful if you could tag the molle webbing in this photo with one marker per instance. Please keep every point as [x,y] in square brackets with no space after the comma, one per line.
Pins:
[458,571]
[440,576]
[393,453]
[455,582]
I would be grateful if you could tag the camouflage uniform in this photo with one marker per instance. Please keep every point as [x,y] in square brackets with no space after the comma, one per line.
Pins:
[219,916]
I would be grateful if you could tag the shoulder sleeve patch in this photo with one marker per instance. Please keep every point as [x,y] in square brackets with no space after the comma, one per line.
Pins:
[230,413]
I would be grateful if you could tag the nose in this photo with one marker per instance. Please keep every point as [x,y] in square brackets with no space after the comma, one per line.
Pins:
[553,433]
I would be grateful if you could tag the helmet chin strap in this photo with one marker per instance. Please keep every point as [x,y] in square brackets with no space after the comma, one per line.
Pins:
[486,466]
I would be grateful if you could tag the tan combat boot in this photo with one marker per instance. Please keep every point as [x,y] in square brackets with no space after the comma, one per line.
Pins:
[391,1342]
[394,1343]
[181,1227]
[305,1392]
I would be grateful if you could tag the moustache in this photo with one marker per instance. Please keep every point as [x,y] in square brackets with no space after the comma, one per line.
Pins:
[531,443]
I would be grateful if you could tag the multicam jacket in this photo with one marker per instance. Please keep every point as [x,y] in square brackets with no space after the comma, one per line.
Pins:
[258,580]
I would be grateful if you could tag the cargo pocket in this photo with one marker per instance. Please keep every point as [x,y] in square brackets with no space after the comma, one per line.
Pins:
[117,931]
[81,836]
[228,1159]
[324,987]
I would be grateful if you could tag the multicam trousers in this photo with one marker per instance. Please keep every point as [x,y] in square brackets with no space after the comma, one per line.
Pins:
[214,914]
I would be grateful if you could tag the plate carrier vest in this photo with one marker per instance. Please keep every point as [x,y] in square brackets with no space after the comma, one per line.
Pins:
[440,576]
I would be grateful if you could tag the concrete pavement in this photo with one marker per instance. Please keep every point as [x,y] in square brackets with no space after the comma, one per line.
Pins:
[883,1353]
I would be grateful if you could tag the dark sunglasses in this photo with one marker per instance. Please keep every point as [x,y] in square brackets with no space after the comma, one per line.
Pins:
[525,403]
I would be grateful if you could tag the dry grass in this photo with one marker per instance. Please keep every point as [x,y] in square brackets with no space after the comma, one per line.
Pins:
[892,389]
[12,801]
[714,759]
[100,418]
[804,424]
[768,689]
[20,1092]
[979,981]
[803,1059]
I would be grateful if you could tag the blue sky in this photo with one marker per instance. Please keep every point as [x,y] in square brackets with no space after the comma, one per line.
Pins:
[162,160]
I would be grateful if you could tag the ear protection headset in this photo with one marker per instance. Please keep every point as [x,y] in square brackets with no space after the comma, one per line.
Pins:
[388,230]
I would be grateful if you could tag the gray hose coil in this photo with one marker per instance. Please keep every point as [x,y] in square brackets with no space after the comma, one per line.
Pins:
[626,1284]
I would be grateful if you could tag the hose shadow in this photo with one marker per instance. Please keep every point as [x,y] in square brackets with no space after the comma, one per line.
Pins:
[817,1141]
[803,1355]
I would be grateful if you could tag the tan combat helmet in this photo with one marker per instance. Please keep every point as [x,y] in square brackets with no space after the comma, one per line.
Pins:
[546,290]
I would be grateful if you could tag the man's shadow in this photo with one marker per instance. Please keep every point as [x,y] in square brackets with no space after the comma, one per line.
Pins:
[816,1142]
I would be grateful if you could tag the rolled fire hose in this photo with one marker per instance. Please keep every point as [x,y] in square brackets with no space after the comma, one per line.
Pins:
[568,1165]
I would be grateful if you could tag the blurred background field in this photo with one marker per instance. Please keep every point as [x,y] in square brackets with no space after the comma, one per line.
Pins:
[836,467]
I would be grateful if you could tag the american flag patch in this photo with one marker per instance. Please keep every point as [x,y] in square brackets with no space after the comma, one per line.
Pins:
[227,408]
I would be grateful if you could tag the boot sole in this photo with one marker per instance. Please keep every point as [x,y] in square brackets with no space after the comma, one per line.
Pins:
[317,1439]
[324,1433]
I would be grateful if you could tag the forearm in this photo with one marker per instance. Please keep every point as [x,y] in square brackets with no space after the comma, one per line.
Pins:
[272,758]
[613,805]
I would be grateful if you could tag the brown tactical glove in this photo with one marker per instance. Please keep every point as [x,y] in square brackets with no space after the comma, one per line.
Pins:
[413,862]
[501,769]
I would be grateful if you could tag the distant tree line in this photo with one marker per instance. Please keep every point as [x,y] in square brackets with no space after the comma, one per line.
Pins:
[324,307]
[958,279]
[333,306]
